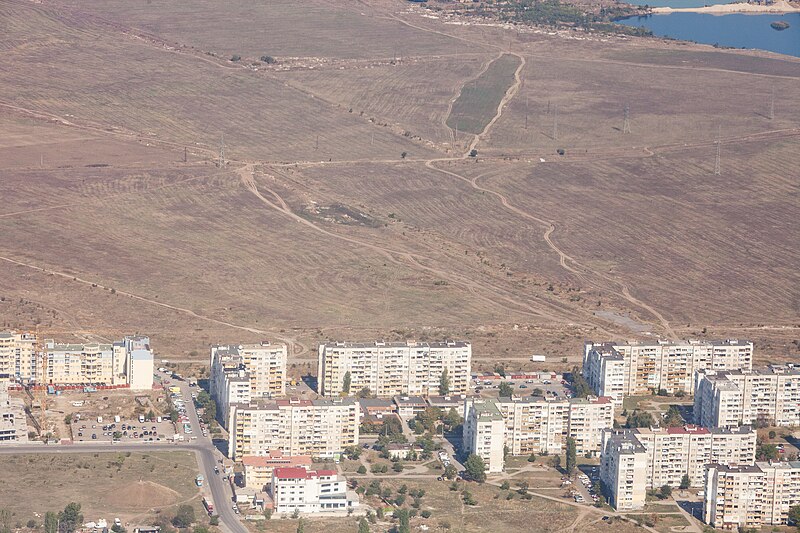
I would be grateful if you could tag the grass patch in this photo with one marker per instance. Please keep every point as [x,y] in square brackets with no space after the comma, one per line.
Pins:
[479,98]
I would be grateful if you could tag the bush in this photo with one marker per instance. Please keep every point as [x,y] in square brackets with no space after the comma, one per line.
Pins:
[236,58]
[362,469]
[425,514]
[268,59]
[184,517]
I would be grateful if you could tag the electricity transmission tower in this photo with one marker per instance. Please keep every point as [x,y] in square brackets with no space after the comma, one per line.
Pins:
[221,162]
[626,123]
[555,122]
[772,105]
[717,165]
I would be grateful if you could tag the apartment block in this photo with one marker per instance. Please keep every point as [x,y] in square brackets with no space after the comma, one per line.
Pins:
[137,356]
[534,425]
[623,471]
[258,468]
[750,496]
[392,368]
[629,369]
[246,372]
[484,433]
[671,453]
[13,422]
[766,397]
[310,491]
[18,361]
[320,428]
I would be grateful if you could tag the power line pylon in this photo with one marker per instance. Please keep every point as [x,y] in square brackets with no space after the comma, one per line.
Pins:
[555,122]
[626,123]
[221,162]
[772,105]
[717,163]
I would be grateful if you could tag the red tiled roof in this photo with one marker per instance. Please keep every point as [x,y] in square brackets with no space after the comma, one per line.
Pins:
[325,472]
[602,399]
[291,473]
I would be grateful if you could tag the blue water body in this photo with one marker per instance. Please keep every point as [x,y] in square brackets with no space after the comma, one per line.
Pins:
[678,3]
[736,30]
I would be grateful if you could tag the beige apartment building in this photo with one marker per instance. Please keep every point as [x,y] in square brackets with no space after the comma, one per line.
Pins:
[629,369]
[394,368]
[750,496]
[258,468]
[669,454]
[533,425]
[623,471]
[246,372]
[18,361]
[767,397]
[320,428]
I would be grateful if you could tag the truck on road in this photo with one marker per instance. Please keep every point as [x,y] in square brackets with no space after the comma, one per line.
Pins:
[209,505]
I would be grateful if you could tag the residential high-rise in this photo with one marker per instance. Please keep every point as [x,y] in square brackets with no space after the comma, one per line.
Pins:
[629,369]
[320,428]
[767,397]
[623,472]
[135,351]
[245,372]
[13,422]
[750,496]
[533,425]
[394,368]
[18,361]
[671,453]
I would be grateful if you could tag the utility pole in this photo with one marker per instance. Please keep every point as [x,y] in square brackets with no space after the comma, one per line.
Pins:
[316,143]
[717,165]
[526,111]
[772,105]
[555,122]
[626,123]
[222,151]
[185,153]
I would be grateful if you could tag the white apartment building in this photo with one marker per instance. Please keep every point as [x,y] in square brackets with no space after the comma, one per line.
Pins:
[13,422]
[534,425]
[127,362]
[750,496]
[310,491]
[320,428]
[671,453]
[629,369]
[394,368]
[18,361]
[258,468]
[246,372]
[623,471]
[768,397]
[484,433]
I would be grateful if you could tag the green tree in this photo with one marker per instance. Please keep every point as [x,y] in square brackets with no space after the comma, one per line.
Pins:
[119,529]
[362,469]
[364,393]
[506,390]
[794,515]
[200,529]
[767,452]
[475,468]
[403,526]
[301,525]
[665,492]
[452,418]
[673,417]
[572,461]
[363,525]
[450,472]
[444,383]
[639,419]
[70,518]
[50,522]
[184,517]
[685,482]
[398,467]
[346,383]
[579,383]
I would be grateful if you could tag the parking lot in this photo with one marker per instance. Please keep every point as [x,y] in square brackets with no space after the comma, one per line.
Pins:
[550,388]
[124,431]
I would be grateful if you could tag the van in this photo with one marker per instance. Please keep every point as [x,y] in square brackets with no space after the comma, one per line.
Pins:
[141,418]
[116,419]
[158,419]
[99,419]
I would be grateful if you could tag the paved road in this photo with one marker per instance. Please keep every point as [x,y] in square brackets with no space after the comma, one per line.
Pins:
[207,457]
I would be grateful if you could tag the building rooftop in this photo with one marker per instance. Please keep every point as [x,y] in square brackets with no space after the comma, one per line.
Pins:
[487,410]
[275,457]
[414,401]
[379,403]
[301,473]
[406,344]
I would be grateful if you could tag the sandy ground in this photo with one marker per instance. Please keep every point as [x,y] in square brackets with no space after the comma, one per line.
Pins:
[780,6]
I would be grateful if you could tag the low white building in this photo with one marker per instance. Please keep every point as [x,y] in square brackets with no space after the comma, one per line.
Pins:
[310,491]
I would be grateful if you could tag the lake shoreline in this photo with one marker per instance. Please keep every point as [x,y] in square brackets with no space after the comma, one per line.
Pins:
[779,7]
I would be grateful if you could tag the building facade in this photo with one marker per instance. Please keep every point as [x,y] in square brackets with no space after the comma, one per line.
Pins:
[768,397]
[13,422]
[258,468]
[246,372]
[630,369]
[18,361]
[670,454]
[534,425]
[310,491]
[750,496]
[320,428]
[391,368]
[623,471]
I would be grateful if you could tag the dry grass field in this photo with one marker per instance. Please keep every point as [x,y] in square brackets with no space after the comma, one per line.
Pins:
[129,486]
[344,208]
